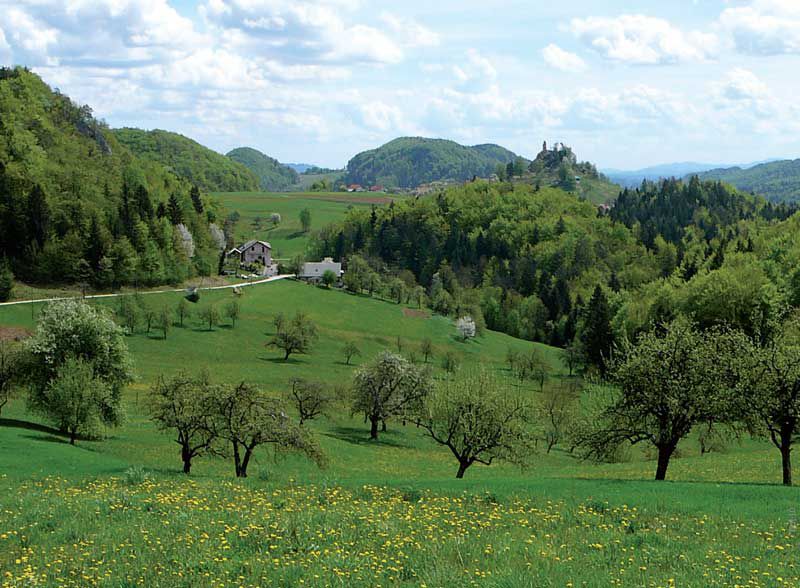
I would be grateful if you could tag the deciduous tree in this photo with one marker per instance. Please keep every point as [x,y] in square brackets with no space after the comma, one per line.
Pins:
[480,420]
[390,386]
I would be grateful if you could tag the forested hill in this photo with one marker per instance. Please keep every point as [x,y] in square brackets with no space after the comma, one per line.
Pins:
[539,264]
[408,162]
[778,181]
[77,205]
[273,176]
[206,169]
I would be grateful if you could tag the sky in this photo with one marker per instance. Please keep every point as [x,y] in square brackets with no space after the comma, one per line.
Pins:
[625,83]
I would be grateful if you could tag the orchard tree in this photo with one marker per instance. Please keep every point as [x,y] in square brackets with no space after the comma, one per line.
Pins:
[466,327]
[73,330]
[232,311]
[184,406]
[350,350]
[480,420]
[183,310]
[164,320]
[558,410]
[671,380]
[210,316]
[78,402]
[309,398]
[426,348]
[775,407]
[390,386]
[450,362]
[296,336]
[128,313]
[245,418]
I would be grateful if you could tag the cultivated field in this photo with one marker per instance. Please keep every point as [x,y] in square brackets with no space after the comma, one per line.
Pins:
[117,512]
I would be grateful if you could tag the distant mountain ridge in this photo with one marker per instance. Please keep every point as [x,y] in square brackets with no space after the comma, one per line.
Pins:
[407,162]
[778,181]
[632,178]
[272,175]
[208,170]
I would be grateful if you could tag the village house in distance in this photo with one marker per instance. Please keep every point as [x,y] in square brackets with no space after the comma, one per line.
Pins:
[254,255]
[313,271]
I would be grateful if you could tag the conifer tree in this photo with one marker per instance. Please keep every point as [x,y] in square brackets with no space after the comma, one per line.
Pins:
[597,336]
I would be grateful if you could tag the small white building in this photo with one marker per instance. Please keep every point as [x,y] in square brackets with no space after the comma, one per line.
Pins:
[313,271]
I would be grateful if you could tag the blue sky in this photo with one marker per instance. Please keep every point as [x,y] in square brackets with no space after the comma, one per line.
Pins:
[627,84]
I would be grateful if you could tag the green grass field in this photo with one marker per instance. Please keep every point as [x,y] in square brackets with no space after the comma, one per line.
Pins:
[287,239]
[389,513]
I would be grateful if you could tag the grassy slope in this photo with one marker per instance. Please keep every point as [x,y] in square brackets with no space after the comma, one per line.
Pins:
[287,240]
[562,521]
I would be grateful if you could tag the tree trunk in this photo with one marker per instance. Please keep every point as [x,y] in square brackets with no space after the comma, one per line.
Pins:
[383,426]
[286,357]
[786,454]
[237,462]
[373,432]
[664,453]
[245,460]
[187,460]
[72,435]
[462,467]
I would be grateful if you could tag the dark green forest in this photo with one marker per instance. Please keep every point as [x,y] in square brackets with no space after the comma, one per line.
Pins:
[77,206]
[778,181]
[407,162]
[208,170]
[272,175]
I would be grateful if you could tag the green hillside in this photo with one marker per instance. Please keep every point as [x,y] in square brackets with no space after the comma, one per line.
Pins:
[384,513]
[287,238]
[77,206]
[273,176]
[778,181]
[408,162]
[206,169]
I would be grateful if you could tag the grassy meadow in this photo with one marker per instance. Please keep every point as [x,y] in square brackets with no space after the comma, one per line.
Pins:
[287,239]
[117,512]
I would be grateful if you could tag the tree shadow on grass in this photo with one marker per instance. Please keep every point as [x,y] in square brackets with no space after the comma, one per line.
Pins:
[281,361]
[358,436]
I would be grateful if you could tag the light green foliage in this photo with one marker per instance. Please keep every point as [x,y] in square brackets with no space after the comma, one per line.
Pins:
[771,401]
[184,407]
[209,314]
[245,419]
[350,350]
[479,419]
[74,330]
[668,383]
[233,311]
[295,336]
[79,402]
[328,278]
[390,386]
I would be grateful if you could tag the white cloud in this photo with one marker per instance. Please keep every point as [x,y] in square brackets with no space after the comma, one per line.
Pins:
[558,58]
[410,32]
[766,27]
[300,30]
[643,40]
[380,116]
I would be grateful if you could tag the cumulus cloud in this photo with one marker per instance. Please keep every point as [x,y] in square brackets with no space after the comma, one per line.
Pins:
[643,40]
[766,27]
[558,58]
[300,30]
[411,33]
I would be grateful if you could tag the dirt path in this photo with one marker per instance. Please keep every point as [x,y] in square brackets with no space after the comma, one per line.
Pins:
[240,285]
